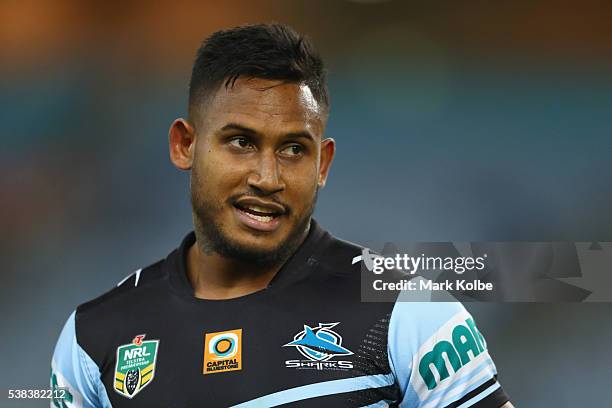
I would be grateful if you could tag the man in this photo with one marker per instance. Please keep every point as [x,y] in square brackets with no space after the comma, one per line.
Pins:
[259,306]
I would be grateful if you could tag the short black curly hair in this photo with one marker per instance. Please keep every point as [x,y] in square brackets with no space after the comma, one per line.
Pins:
[269,51]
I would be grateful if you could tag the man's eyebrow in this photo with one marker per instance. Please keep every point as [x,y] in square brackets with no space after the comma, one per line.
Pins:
[296,135]
[236,126]
[249,131]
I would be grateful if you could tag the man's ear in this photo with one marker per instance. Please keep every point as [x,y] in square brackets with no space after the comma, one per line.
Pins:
[328,149]
[181,139]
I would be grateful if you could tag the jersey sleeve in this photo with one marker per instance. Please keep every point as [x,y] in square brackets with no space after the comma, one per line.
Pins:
[74,372]
[440,359]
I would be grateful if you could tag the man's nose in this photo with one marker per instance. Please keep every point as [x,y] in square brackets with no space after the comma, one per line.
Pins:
[266,177]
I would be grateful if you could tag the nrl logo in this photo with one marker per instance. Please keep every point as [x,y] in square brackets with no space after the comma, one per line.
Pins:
[135,367]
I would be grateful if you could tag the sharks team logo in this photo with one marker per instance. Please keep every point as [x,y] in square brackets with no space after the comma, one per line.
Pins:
[319,345]
[135,366]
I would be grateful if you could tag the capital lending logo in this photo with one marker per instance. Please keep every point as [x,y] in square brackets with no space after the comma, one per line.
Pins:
[222,352]
[135,366]
[319,345]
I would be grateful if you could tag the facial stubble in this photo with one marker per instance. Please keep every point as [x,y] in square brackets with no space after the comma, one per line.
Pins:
[212,238]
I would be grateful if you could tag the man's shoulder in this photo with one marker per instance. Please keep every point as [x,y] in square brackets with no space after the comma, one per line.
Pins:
[339,254]
[137,284]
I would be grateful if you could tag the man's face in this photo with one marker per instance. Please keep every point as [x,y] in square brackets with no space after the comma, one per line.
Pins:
[258,161]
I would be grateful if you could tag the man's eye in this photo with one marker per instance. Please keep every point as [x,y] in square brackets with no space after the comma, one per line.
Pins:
[240,142]
[292,150]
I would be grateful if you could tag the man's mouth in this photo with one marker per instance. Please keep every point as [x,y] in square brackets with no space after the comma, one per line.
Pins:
[259,215]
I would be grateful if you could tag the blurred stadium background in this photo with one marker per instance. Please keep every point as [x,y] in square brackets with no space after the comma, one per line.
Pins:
[454,121]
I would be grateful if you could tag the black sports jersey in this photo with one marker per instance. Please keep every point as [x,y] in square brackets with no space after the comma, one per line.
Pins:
[305,340]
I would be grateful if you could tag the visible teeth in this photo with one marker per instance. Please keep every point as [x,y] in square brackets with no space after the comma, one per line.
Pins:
[260,209]
[260,217]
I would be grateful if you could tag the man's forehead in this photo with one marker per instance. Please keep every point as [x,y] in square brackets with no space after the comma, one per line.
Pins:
[265,101]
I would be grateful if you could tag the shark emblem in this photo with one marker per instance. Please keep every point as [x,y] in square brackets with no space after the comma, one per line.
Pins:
[319,343]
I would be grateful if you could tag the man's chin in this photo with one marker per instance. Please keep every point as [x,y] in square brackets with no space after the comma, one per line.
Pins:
[234,241]
[266,250]
[252,254]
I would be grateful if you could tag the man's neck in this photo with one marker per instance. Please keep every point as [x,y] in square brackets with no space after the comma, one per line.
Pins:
[215,277]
